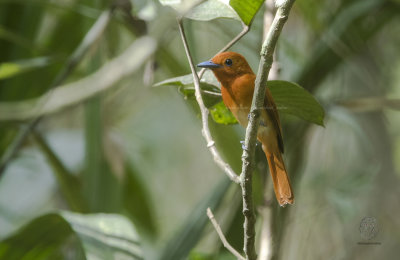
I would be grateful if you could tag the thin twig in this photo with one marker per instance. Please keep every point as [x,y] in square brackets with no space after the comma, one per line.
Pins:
[221,235]
[245,30]
[265,64]
[204,113]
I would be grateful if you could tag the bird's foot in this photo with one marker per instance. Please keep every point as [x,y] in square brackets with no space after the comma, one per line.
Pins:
[261,121]
[244,147]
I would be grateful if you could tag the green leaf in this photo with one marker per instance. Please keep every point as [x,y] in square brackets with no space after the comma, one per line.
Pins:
[221,114]
[211,95]
[208,84]
[11,69]
[206,11]
[246,9]
[38,240]
[105,236]
[208,77]
[243,10]
[212,9]
[100,185]
[292,99]
[95,236]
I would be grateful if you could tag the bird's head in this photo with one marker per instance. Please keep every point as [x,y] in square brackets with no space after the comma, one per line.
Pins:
[227,66]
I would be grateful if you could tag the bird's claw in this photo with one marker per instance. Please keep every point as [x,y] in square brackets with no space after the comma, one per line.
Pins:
[261,121]
[243,145]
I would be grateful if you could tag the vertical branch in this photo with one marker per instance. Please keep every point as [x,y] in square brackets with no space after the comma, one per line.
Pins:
[245,179]
[264,67]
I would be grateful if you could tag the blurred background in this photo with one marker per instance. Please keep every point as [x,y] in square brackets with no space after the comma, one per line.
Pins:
[107,141]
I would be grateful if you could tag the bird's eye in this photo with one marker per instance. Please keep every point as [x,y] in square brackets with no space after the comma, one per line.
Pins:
[228,62]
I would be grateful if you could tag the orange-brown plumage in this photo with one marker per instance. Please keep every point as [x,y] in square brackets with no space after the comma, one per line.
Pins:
[237,86]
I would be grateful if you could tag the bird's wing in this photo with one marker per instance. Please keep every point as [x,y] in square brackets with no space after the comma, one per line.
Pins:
[272,111]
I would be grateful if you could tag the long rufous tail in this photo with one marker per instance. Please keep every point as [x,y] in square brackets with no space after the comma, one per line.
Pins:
[282,187]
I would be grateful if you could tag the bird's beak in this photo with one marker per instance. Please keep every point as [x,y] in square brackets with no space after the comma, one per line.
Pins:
[209,64]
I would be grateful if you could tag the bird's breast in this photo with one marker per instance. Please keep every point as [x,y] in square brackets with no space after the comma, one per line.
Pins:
[237,96]
[239,103]
[239,107]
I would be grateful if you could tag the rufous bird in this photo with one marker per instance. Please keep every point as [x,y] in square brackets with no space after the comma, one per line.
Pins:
[237,86]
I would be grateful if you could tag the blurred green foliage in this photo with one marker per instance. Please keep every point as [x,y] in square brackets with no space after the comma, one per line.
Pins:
[120,168]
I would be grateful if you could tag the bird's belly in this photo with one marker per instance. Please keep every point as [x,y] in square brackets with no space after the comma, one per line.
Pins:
[242,116]
[265,134]
[263,130]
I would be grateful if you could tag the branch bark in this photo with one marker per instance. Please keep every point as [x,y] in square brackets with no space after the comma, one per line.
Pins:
[245,178]
[264,67]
